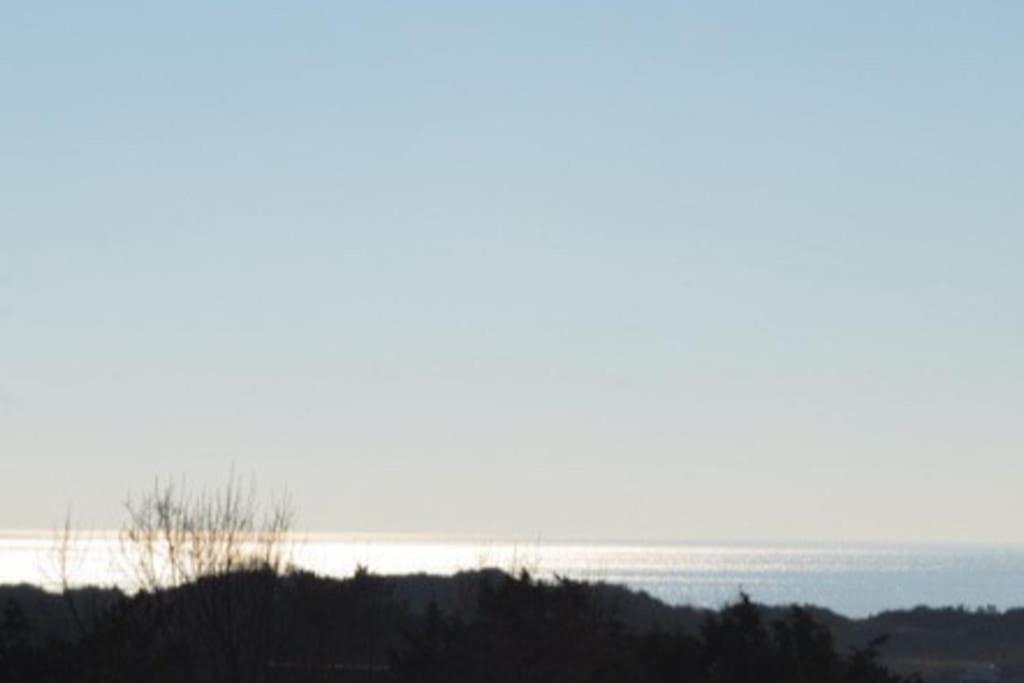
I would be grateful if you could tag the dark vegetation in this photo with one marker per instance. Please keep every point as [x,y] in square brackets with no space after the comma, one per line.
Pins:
[219,602]
[257,625]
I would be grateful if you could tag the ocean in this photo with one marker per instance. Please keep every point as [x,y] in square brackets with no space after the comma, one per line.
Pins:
[853,579]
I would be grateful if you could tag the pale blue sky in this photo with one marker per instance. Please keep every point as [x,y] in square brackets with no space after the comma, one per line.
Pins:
[638,270]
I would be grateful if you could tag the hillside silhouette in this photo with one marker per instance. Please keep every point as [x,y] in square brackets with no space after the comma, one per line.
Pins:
[475,626]
[219,602]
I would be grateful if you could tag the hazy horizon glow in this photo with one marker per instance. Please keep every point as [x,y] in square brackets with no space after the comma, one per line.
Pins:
[850,578]
[594,270]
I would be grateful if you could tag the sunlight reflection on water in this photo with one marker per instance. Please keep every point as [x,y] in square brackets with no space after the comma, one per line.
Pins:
[851,579]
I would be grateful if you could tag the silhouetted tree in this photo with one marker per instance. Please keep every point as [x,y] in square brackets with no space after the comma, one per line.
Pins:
[221,553]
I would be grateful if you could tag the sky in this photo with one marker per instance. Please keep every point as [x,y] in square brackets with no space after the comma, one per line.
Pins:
[645,270]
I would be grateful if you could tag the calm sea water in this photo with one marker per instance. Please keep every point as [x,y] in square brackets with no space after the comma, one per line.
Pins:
[855,580]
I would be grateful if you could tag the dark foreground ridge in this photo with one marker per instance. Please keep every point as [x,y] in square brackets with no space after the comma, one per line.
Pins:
[256,626]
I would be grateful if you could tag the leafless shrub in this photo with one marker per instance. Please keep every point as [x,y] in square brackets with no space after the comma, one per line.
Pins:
[174,537]
[211,561]
[66,542]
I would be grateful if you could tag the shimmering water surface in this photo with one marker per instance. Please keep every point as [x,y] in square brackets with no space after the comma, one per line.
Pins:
[856,580]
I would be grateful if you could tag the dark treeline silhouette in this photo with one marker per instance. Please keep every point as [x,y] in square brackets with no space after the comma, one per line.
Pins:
[257,625]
